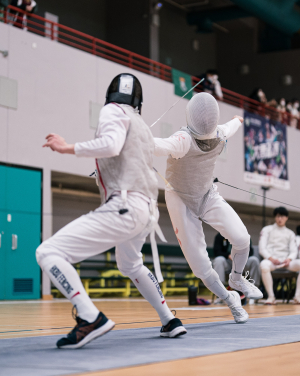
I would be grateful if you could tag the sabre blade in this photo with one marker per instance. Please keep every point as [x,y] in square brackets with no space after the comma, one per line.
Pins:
[198,83]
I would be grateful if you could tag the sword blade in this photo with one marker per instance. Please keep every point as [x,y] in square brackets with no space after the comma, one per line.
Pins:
[173,105]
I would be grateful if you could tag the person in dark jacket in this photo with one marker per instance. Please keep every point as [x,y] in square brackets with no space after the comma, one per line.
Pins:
[211,84]
[222,262]
[29,6]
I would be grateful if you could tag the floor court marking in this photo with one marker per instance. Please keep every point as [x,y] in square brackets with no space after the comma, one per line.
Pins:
[38,356]
[198,308]
[94,300]
[45,330]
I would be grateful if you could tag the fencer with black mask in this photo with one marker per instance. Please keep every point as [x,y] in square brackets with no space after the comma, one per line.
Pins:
[192,198]
[123,149]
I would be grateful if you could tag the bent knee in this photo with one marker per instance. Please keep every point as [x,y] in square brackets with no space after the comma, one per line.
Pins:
[45,250]
[130,270]
[295,265]
[219,260]
[241,241]
[254,260]
[265,266]
[40,253]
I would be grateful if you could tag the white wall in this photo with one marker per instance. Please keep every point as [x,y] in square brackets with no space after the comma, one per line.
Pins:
[55,85]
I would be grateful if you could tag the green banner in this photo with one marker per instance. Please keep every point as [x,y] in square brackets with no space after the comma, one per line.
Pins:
[182,83]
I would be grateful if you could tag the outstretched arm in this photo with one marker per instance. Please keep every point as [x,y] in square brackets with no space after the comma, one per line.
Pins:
[109,141]
[231,127]
[177,145]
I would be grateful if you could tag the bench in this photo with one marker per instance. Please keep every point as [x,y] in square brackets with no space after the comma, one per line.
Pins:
[284,286]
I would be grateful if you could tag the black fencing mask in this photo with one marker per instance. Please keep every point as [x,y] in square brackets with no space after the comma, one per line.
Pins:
[125,89]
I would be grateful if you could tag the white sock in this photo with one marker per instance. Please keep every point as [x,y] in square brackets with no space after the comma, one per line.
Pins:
[66,279]
[148,286]
[214,284]
[268,282]
[239,260]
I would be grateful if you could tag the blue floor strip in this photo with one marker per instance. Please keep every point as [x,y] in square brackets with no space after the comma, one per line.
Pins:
[38,356]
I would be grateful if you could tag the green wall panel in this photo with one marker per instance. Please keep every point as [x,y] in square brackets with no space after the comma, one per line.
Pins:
[24,190]
[2,251]
[20,216]
[21,262]
[3,171]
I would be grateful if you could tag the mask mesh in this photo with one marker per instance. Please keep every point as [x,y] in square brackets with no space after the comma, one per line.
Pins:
[202,114]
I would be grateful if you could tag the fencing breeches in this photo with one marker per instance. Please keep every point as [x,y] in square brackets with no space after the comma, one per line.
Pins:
[93,234]
[189,231]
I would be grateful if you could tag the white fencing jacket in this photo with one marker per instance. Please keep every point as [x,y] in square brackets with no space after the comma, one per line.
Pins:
[277,242]
[298,245]
[179,143]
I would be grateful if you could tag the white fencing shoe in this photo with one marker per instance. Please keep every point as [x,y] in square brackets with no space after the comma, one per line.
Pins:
[246,287]
[239,314]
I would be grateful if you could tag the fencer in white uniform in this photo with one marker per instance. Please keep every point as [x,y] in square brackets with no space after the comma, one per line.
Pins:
[123,149]
[278,247]
[192,197]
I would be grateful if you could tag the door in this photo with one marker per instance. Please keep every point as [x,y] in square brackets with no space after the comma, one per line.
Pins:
[21,220]
[2,228]
[2,251]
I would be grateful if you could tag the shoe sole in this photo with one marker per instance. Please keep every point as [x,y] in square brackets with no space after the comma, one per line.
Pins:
[255,297]
[242,322]
[179,331]
[109,325]
[246,317]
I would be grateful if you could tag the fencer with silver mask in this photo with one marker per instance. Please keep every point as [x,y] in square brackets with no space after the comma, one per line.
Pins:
[192,198]
[123,149]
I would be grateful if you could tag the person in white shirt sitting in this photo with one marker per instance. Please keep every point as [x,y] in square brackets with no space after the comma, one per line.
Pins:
[277,245]
[298,240]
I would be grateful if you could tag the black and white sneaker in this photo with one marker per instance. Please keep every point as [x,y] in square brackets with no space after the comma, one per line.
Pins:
[173,329]
[84,332]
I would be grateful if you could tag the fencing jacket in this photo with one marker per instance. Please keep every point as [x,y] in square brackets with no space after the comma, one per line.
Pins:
[123,149]
[277,242]
[298,245]
[190,163]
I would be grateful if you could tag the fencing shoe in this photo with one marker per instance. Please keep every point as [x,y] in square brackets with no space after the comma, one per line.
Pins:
[246,286]
[85,332]
[239,314]
[173,329]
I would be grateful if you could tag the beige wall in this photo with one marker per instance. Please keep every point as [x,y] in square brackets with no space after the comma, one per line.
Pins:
[56,84]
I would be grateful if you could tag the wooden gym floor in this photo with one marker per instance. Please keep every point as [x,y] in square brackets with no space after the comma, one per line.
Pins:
[44,318]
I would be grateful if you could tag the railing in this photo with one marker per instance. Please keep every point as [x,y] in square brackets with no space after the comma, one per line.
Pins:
[98,47]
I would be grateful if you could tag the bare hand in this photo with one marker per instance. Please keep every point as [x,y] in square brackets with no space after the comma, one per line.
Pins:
[29,8]
[230,257]
[238,117]
[274,261]
[57,143]
[287,262]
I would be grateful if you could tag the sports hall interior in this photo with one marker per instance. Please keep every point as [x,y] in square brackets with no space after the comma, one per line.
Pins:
[55,68]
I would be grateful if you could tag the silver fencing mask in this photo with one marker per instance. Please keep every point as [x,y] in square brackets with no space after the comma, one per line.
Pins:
[202,115]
